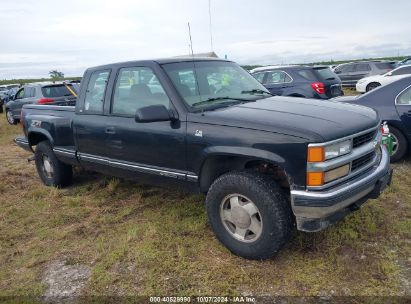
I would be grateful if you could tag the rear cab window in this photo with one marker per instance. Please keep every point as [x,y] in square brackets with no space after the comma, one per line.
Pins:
[96,91]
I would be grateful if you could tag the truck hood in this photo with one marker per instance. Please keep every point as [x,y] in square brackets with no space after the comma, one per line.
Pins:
[312,119]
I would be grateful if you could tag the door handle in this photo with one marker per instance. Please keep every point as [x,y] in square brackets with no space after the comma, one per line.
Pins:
[110,130]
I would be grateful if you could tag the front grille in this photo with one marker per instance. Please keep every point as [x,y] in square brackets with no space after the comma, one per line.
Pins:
[362,161]
[363,139]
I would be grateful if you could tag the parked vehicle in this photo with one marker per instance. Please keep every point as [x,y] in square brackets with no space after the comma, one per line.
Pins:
[41,94]
[266,163]
[393,103]
[10,95]
[300,81]
[350,73]
[3,91]
[405,61]
[369,83]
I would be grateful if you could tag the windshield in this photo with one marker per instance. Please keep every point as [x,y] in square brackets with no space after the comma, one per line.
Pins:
[204,84]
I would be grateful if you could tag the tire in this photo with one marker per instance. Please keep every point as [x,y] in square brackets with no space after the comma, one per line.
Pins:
[52,172]
[10,118]
[1,108]
[372,86]
[400,144]
[274,214]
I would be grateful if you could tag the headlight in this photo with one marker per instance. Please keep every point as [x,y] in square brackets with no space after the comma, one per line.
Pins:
[322,153]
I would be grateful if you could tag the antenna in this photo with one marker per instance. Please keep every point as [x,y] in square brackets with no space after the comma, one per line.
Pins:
[191,41]
[210,27]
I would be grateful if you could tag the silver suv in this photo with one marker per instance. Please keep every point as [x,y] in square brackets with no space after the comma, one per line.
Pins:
[350,73]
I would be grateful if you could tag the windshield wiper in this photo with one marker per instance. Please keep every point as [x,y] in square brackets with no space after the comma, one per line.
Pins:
[221,98]
[256,91]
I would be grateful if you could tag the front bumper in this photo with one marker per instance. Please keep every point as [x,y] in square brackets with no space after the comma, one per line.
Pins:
[315,210]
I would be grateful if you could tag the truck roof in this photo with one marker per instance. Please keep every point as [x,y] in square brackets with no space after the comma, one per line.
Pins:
[159,61]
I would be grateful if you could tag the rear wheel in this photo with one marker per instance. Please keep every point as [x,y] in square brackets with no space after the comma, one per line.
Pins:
[249,214]
[372,86]
[400,144]
[10,118]
[51,171]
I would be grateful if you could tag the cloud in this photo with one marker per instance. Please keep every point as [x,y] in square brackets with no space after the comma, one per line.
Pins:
[71,36]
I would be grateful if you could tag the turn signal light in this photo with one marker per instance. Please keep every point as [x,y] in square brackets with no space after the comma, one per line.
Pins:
[315,178]
[316,154]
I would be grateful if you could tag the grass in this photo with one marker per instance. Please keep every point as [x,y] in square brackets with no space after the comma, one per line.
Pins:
[141,240]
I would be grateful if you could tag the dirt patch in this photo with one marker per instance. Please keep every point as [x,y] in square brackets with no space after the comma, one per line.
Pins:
[65,281]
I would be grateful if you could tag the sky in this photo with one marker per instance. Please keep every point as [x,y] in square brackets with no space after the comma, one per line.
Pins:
[43,35]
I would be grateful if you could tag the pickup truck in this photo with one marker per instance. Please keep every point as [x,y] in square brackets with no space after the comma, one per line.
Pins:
[268,164]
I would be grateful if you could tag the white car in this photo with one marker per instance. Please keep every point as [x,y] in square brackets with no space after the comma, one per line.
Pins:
[368,83]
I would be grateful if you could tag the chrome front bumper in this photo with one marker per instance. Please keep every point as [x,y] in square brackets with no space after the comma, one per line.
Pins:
[315,210]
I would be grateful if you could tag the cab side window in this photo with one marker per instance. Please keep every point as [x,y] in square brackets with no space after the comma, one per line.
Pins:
[96,90]
[135,88]
[405,97]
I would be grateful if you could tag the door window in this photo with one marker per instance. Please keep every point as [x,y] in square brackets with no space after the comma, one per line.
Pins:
[346,68]
[96,91]
[362,67]
[259,76]
[20,94]
[135,88]
[29,92]
[278,77]
[405,97]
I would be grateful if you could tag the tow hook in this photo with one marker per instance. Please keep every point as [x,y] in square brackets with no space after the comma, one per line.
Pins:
[30,159]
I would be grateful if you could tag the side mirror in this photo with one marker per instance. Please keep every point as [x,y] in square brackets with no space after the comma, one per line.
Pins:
[389,74]
[153,113]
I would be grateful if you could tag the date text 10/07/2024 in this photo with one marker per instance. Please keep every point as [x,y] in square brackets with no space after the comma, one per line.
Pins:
[203,299]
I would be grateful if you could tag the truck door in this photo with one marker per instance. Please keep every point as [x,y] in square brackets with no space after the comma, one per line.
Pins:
[89,124]
[154,147]
[277,82]
[403,105]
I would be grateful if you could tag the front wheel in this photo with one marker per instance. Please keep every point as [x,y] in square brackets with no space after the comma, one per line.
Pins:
[10,118]
[51,171]
[249,214]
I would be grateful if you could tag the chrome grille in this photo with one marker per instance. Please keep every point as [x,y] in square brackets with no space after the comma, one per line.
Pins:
[363,139]
[362,161]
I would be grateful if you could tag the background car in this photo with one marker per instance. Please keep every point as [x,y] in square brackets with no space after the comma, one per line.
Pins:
[3,91]
[350,73]
[56,94]
[300,81]
[393,103]
[368,83]
[405,61]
